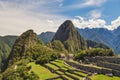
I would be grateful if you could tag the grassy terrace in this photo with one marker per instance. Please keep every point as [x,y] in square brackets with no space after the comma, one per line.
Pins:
[80,73]
[61,64]
[99,76]
[104,77]
[64,72]
[41,71]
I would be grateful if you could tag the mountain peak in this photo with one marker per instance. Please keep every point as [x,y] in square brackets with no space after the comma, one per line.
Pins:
[63,33]
[70,37]
[21,45]
[67,24]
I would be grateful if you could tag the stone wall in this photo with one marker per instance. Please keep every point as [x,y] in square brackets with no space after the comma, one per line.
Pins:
[107,59]
[94,69]
[109,65]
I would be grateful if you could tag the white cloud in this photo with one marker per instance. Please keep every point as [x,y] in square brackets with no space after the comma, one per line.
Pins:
[114,24]
[50,21]
[91,23]
[88,3]
[16,18]
[93,2]
[95,23]
[94,14]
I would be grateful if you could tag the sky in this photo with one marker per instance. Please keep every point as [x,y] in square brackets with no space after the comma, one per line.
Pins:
[17,16]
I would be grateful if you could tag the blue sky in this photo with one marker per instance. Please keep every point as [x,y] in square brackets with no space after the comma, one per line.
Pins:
[17,16]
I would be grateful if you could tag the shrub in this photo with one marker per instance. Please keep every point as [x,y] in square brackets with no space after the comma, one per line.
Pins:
[94,52]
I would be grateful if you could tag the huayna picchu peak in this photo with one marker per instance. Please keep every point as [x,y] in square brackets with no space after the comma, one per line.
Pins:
[70,37]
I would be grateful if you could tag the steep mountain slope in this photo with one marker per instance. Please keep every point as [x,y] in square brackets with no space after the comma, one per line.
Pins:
[70,37]
[10,39]
[6,43]
[93,44]
[21,45]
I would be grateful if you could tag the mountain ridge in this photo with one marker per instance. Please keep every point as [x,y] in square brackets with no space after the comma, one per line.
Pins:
[108,37]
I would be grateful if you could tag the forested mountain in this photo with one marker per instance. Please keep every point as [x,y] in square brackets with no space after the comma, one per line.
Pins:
[6,43]
[70,37]
[21,45]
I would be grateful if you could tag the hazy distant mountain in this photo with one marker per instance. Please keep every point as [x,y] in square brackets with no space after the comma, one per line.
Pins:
[46,36]
[108,37]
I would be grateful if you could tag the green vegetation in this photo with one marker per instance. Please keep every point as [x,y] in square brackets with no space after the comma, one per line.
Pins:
[94,52]
[6,43]
[59,72]
[30,59]
[65,71]
[21,45]
[19,71]
[30,71]
[41,71]
[41,54]
[61,64]
[57,46]
[4,52]
[93,44]
[104,77]
[29,46]
[69,36]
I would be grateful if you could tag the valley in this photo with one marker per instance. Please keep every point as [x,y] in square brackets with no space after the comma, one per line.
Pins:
[68,56]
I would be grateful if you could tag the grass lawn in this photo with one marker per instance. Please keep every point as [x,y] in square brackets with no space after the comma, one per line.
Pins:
[41,71]
[104,77]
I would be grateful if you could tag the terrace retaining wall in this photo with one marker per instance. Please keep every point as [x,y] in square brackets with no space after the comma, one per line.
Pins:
[109,65]
[94,69]
[106,59]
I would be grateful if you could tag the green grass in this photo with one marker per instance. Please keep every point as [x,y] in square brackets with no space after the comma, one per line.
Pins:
[41,71]
[86,64]
[59,72]
[61,64]
[62,69]
[67,77]
[104,77]
[80,73]
[70,74]
[52,66]
[58,79]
